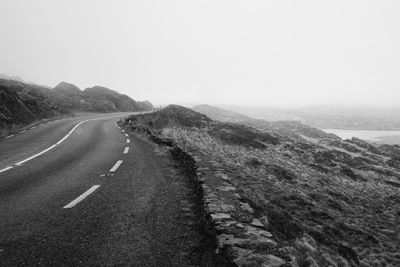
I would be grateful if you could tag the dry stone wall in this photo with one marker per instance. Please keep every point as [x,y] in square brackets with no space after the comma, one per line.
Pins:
[239,237]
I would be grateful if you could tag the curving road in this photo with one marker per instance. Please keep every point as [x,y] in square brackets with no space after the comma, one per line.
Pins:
[81,191]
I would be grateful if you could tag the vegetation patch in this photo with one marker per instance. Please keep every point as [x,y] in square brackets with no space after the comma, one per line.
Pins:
[323,205]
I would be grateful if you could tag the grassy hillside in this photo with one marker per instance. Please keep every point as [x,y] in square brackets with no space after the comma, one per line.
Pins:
[327,202]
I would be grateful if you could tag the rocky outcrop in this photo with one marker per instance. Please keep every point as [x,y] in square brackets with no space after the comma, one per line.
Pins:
[22,103]
[97,99]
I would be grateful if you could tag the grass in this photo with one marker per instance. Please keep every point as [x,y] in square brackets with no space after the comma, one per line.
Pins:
[330,216]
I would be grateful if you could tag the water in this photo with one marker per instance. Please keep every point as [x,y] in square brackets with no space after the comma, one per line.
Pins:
[381,137]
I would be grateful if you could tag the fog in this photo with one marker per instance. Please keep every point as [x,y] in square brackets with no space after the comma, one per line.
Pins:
[264,53]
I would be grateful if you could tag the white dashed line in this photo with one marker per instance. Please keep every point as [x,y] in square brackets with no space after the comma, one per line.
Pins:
[126,135]
[126,150]
[81,197]
[33,127]
[9,136]
[123,131]
[22,131]
[128,141]
[115,167]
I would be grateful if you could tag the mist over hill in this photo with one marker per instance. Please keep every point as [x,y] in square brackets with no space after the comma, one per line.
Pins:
[290,128]
[329,117]
[22,103]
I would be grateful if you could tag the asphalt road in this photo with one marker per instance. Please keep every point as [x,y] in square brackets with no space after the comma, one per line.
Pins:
[98,196]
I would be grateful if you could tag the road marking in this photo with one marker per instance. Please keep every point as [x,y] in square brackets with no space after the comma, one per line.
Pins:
[128,141]
[22,131]
[126,150]
[34,156]
[53,146]
[9,136]
[33,127]
[123,131]
[7,168]
[81,197]
[115,167]
[126,135]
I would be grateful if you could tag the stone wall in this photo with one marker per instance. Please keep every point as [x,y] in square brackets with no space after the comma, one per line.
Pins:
[239,238]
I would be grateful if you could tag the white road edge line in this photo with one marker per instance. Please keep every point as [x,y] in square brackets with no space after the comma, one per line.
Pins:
[116,166]
[81,197]
[7,168]
[53,146]
[128,141]
[126,150]
[11,135]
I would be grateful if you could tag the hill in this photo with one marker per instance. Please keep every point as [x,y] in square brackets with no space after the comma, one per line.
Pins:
[22,103]
[272,198]
[294,129]
[221,114]
[14,78]
[329,117]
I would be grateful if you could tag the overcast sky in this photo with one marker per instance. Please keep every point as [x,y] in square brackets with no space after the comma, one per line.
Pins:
[279,53]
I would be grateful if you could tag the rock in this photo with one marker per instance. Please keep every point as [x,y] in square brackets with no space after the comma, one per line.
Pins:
[258,235]
[272,261]
[238,196]
[227,188]
[257,223]
[220,216]
[264,221]
[225,177]
[239,225]
[243,217]
[246,207]
[224,208]
[230,240]
[267,234]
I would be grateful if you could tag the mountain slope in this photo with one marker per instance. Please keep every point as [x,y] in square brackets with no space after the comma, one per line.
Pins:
[22,103]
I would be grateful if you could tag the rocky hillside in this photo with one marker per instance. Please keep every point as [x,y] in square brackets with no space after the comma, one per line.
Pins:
[22,103]
[291,196]
[96,99]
